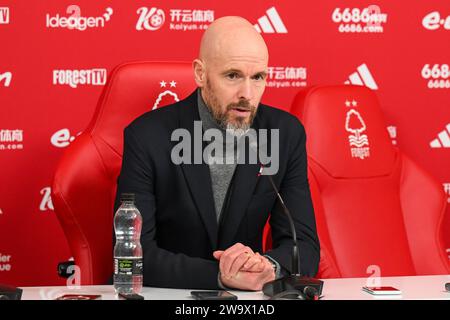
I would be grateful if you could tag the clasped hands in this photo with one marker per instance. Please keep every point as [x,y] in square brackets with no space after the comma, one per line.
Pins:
[241,268]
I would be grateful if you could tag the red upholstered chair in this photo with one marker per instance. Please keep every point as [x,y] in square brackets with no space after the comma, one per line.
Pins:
[374,206]
[85,180]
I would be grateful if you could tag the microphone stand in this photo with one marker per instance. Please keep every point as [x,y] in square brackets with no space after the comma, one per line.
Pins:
[295,281]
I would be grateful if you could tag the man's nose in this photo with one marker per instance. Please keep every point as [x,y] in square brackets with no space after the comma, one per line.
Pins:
[246,90]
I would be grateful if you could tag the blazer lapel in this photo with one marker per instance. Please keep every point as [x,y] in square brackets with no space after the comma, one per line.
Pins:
[197,175]
[244,183]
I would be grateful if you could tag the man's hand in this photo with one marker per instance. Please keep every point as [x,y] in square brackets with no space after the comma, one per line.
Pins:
[241,268]
[250,280]
[238,258]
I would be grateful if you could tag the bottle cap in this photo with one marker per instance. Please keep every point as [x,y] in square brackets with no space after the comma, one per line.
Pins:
[127,197]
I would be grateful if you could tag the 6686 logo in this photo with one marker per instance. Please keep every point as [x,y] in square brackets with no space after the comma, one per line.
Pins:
[367,20]
[437,75]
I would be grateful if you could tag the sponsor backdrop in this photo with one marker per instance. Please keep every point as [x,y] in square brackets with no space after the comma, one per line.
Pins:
[55,57]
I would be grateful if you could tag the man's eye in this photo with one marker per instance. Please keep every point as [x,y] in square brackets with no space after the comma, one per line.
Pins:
[258,77]
[232,76]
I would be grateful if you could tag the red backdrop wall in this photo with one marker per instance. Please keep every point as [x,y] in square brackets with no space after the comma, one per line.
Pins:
[55,57]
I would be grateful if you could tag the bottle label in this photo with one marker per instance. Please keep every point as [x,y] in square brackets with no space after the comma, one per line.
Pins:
[128,266]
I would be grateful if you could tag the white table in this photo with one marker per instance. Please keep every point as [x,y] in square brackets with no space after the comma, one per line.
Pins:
[417,288]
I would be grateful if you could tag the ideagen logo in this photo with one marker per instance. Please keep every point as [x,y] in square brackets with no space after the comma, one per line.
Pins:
[433,21]
[76,21]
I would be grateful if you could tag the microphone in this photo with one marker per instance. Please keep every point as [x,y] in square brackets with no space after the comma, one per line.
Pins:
[308,288]
[305,288]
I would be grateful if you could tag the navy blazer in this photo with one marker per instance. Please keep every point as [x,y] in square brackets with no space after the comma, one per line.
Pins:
[180,229]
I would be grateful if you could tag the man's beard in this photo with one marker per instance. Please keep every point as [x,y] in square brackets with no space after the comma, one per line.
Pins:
[236,125]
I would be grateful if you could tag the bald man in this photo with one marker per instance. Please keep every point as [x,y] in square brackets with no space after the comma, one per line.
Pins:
[203,222]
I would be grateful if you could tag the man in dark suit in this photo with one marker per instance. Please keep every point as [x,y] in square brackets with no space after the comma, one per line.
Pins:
[203,222]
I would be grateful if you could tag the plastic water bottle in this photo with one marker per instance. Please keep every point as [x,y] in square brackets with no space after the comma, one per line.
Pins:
[128,250]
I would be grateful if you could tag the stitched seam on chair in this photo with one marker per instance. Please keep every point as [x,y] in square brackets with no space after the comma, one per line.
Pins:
[108,90]
[79,229]
[109,146]
[438,231]
[408,240]
[402,175]
[437,226]
[72,215]
[107,96]
[355,178]
[109,87]
[330,250]
[105,169]
[308,94]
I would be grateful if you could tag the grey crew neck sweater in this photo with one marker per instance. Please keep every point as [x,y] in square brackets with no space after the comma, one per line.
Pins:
[221,169]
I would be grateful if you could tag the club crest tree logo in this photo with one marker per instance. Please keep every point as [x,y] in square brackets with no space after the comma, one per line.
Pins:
[355,124]
[167,96]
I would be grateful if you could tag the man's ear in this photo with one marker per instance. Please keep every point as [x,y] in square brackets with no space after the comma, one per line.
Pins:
[199,72]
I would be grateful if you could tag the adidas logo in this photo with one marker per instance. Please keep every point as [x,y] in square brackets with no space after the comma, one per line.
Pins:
[270,23]
[443,139]
[362,77]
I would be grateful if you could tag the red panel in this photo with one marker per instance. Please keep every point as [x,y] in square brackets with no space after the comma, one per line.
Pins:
[45,112]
